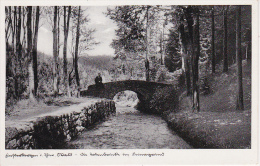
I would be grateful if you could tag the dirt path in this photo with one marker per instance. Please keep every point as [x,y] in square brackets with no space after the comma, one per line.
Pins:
[58,106]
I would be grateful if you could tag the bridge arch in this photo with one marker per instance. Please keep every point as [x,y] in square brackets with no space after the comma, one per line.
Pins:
[143,89]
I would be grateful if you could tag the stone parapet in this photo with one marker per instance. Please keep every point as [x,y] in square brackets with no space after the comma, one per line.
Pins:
[53,130]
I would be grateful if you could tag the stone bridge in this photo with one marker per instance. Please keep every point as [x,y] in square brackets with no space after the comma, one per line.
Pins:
[143,89]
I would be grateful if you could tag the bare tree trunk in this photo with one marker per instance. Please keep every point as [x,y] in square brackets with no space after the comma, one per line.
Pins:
[76,52]
[213,40]
[225,69]
[18,51]
[58,48]
[14,30]
[29,51]
[24,27]
[195,61]
[35,40]
[9,26]
[55,56]
[66,32]
[14,52]
[240,104]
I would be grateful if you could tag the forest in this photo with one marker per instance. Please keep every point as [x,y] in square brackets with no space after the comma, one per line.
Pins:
[186,46]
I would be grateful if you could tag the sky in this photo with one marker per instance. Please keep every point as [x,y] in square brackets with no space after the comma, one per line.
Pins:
[105,32]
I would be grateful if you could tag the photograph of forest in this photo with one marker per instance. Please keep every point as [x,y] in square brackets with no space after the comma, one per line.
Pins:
[128,77]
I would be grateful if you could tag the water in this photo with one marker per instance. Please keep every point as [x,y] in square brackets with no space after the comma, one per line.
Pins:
[130,129]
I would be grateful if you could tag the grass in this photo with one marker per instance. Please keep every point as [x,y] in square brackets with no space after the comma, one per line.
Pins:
[213,129]
[218,124]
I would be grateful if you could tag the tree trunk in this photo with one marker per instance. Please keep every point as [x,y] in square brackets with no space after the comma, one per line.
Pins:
[18,51]
[249,52]
[195,61]
[188,42]
[14,30]
[76,52]
[29,52]
[147,45]
[9,26]
[35,40]
[188,76]
[240,105]
[225,56]
[213,40]
[66,32]
[58,49]
[55,56]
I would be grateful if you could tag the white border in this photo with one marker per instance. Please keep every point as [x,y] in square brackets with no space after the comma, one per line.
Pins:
[175,156]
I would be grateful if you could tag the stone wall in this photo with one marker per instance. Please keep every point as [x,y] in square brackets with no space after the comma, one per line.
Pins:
[52,132]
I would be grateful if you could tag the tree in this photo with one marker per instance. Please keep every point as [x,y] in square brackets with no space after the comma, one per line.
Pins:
[147,66]
[66,32]
[29,52]
[55,51]
[240,105]
[18,54]
[195,60]
[213,61]
[186,43]
[225,69]
[76,51]
[35,41]
[131,32]
[8,24]
[82,41]
[173,58]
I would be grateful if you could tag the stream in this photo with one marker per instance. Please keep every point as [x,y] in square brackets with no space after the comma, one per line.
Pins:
[130,129]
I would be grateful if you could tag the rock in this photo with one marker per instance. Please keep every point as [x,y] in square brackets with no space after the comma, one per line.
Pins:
[10,132]
[48,126]
[20,134]
[68,138]
[11,144]
[79,122]
[19,143]
[26,138]
[80,128]
[26,146]
[66,126]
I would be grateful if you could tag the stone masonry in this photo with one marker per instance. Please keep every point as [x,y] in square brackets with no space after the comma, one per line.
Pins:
[54,130]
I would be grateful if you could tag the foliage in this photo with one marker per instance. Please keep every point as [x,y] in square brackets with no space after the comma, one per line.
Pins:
[164,99]
[131,29]
[173,56]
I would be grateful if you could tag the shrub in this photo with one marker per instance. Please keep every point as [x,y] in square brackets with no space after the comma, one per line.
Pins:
[164,99]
